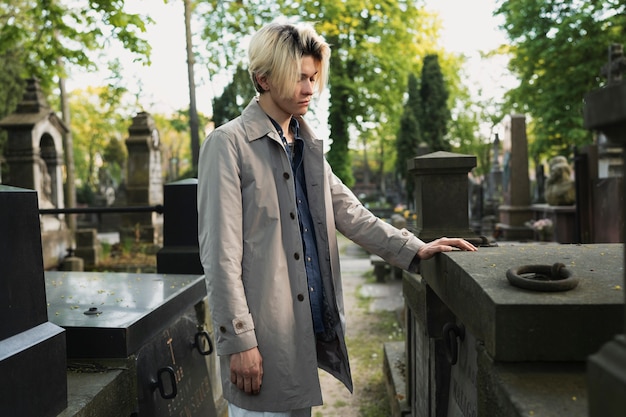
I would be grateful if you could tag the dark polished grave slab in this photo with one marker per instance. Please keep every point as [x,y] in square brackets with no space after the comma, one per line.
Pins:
[112,315]
[155,322]
[32,350]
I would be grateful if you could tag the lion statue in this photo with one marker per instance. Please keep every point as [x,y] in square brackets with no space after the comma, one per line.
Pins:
[560,188]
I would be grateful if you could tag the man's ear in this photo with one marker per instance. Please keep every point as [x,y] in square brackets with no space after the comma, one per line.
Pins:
[262,81]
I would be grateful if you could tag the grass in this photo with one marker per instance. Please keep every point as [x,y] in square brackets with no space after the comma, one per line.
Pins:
[366,352]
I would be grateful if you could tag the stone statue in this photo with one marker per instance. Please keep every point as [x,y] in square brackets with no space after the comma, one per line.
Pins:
[560,188]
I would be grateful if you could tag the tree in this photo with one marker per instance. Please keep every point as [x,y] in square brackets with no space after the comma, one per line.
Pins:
[409,134]
[234,98]
[435,115]
[368,74]
[46,30]
[97,121]
[193,110]
[45,37]
[558,48]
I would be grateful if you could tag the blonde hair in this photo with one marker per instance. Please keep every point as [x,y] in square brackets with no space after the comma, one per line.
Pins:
[276,52]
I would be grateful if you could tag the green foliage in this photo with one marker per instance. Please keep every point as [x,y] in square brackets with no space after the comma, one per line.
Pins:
[52,34]
[409,134]
[98,127]
[558,48]
[175,152]
[368,74]
[435,114]
[234,99]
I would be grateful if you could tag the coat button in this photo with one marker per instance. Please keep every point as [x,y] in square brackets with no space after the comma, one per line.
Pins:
[222,329]
[239,325]
[300,297]
[296,256]
[292,215]
[286,175]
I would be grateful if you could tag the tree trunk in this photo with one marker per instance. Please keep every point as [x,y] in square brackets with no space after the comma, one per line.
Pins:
[193,111]
[68,145]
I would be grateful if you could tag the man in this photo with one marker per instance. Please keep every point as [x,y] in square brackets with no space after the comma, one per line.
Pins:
[269,208]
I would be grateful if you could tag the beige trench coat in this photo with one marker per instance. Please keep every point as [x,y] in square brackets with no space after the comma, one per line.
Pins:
[251,251]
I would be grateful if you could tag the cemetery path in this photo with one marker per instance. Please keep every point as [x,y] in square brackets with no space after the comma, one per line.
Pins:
[367,304]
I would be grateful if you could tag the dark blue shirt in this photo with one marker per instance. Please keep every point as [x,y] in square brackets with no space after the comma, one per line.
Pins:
[311,258]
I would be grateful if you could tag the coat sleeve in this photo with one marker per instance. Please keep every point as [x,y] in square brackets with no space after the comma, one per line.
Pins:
[220,237]
[397,246]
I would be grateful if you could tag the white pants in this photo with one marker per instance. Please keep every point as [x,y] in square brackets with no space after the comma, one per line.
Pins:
[234,411]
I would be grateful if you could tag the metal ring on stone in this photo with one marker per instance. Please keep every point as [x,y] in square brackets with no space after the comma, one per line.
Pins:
[549,278]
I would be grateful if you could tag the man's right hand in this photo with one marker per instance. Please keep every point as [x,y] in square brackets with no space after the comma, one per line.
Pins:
[246,370]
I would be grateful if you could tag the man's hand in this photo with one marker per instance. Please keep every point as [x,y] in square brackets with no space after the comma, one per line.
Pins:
[246,370]
[444,244]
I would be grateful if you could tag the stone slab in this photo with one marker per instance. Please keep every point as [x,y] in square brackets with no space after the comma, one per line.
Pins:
[22,291]
[522,325]
[101,389]
[531,389]
[112,315]
[32,365]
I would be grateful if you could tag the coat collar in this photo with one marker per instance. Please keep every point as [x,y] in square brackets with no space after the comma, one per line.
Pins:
[257,125]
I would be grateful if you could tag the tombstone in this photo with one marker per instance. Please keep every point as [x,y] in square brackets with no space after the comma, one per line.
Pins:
[503,347]
[88,247]
[604,111]
[180,253]
[515,210]
[441,213]
[34,156]
[493,194]
[32,349]
[144,186]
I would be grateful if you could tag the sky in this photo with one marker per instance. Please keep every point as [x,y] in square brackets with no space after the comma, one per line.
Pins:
[468,28]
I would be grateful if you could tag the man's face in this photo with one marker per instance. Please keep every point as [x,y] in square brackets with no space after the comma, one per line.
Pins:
[298,104]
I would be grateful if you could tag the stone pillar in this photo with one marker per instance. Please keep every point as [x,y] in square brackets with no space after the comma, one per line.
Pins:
[145,182]
[441,187]
[88,247]
[605,111]
[34,156]
[180,253]
[32,350]
[516,209]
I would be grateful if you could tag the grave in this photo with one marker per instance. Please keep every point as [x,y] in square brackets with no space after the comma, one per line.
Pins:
[605,111]
[34,156]
[32,349]
[497,349]
[145,332]
[180,253]
[439,212]
[515,210]
[144,186]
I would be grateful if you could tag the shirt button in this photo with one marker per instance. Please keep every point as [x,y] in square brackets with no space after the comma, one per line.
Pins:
[300,297]
[308,259]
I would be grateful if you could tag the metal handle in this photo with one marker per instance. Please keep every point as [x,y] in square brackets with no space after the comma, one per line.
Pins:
[159,383]
[198,342]
[450,334]
[550,278]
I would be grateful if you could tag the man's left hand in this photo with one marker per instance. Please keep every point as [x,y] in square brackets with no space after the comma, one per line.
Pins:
[444,244]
